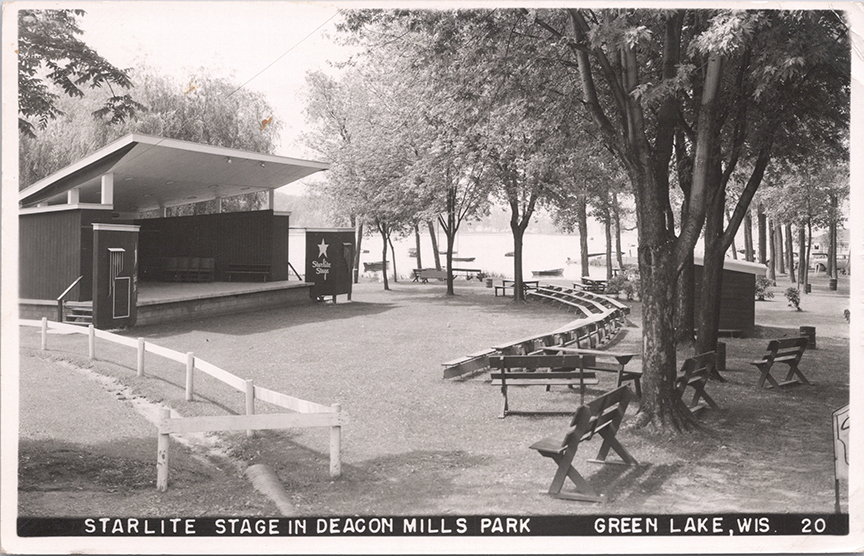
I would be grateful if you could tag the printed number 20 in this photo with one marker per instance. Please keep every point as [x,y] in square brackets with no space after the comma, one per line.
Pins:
[818,525]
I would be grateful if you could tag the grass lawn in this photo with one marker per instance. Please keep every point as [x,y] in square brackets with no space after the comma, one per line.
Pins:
[419,444]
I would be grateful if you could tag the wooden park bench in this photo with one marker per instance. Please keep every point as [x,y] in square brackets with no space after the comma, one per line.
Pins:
[469,273]
[425,274]
[511,285]
[601,416]
[618,366]
[787,351]
[563,370]
[694,374]
[242,270]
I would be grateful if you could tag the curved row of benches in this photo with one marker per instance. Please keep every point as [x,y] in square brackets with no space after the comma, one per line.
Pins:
[600,320]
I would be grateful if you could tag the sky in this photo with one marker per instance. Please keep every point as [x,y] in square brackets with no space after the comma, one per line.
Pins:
[267,46]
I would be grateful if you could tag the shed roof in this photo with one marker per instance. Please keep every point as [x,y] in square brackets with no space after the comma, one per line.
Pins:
[150,172]
[737,266]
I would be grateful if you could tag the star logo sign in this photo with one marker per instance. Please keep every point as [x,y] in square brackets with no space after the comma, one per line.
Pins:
[322,248]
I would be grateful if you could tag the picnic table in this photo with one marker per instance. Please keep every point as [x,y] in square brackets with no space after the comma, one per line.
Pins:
[589,359]
[511,284]
[591,285]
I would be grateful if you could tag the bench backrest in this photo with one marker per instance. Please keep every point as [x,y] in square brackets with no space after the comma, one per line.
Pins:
[607,411]
[787,346]
[568,361]
[696,367]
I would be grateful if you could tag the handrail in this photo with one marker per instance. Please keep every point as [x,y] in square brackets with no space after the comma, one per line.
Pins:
[72,285]
[62,295]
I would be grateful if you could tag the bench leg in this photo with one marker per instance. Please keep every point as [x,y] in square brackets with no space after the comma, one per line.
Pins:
[609,441]
[506,405]
[584,491]
[793,371]
[766,375]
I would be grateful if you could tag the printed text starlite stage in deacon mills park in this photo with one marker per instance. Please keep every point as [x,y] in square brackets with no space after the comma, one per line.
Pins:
[471,526]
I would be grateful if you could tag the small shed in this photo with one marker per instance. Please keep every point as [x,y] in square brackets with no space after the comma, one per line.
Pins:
[738,292]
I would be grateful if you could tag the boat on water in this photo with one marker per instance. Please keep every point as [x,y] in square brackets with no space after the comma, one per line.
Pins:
[374,267]
[548,272]
[463,259]
[509,254]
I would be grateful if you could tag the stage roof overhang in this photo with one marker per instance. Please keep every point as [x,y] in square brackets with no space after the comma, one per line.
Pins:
[152,172]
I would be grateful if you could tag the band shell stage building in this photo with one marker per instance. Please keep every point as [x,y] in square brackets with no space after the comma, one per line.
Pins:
[97,242]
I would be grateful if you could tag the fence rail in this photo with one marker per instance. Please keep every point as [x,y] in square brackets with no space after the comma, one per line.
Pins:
[305,413]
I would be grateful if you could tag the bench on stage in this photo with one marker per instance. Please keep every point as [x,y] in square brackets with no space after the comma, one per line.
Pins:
[527,285]
[618,366]
[787,351]
[250,270]
[601,416]
[694,374]
[538,370]
[189,269]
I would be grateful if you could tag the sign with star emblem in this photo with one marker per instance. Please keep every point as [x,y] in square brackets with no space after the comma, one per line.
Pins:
[329,261]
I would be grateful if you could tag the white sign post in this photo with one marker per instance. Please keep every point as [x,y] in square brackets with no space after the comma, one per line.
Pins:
[840,422]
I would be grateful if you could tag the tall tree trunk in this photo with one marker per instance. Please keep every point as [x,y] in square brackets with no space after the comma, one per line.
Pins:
[616,215]
[384,236]
[832,238]
[763,245]
[659,251]
[806,265]
[434,238]
[419,260]
[582,222]
[359,234]
[684,313]
[393,253]
[518,235]
[802,258]
[734,248]
[708,323]
[748,237]
[772,263]
[451,228]
[781,253]
[607,225]
[790,251]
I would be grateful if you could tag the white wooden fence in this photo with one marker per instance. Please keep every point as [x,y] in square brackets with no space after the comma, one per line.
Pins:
[305,413]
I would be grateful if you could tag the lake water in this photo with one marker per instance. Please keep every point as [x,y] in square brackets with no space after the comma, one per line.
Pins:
[540,252]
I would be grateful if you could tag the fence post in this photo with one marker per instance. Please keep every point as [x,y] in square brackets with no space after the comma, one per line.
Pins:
[91,341]
[336,445]
[190,366]
[140,356]
[250,403]
[44,333]
[162,452]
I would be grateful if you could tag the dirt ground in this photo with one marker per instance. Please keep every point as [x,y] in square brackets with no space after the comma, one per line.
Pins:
[416,443]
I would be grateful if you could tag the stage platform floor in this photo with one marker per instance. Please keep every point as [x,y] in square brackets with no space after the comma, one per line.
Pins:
[152,293]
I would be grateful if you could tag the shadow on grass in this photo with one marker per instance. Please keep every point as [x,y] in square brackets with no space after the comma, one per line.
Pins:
[256,322]
[54,465]
[411,482]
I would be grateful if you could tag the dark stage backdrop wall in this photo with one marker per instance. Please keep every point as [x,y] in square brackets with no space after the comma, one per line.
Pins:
[254,237]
